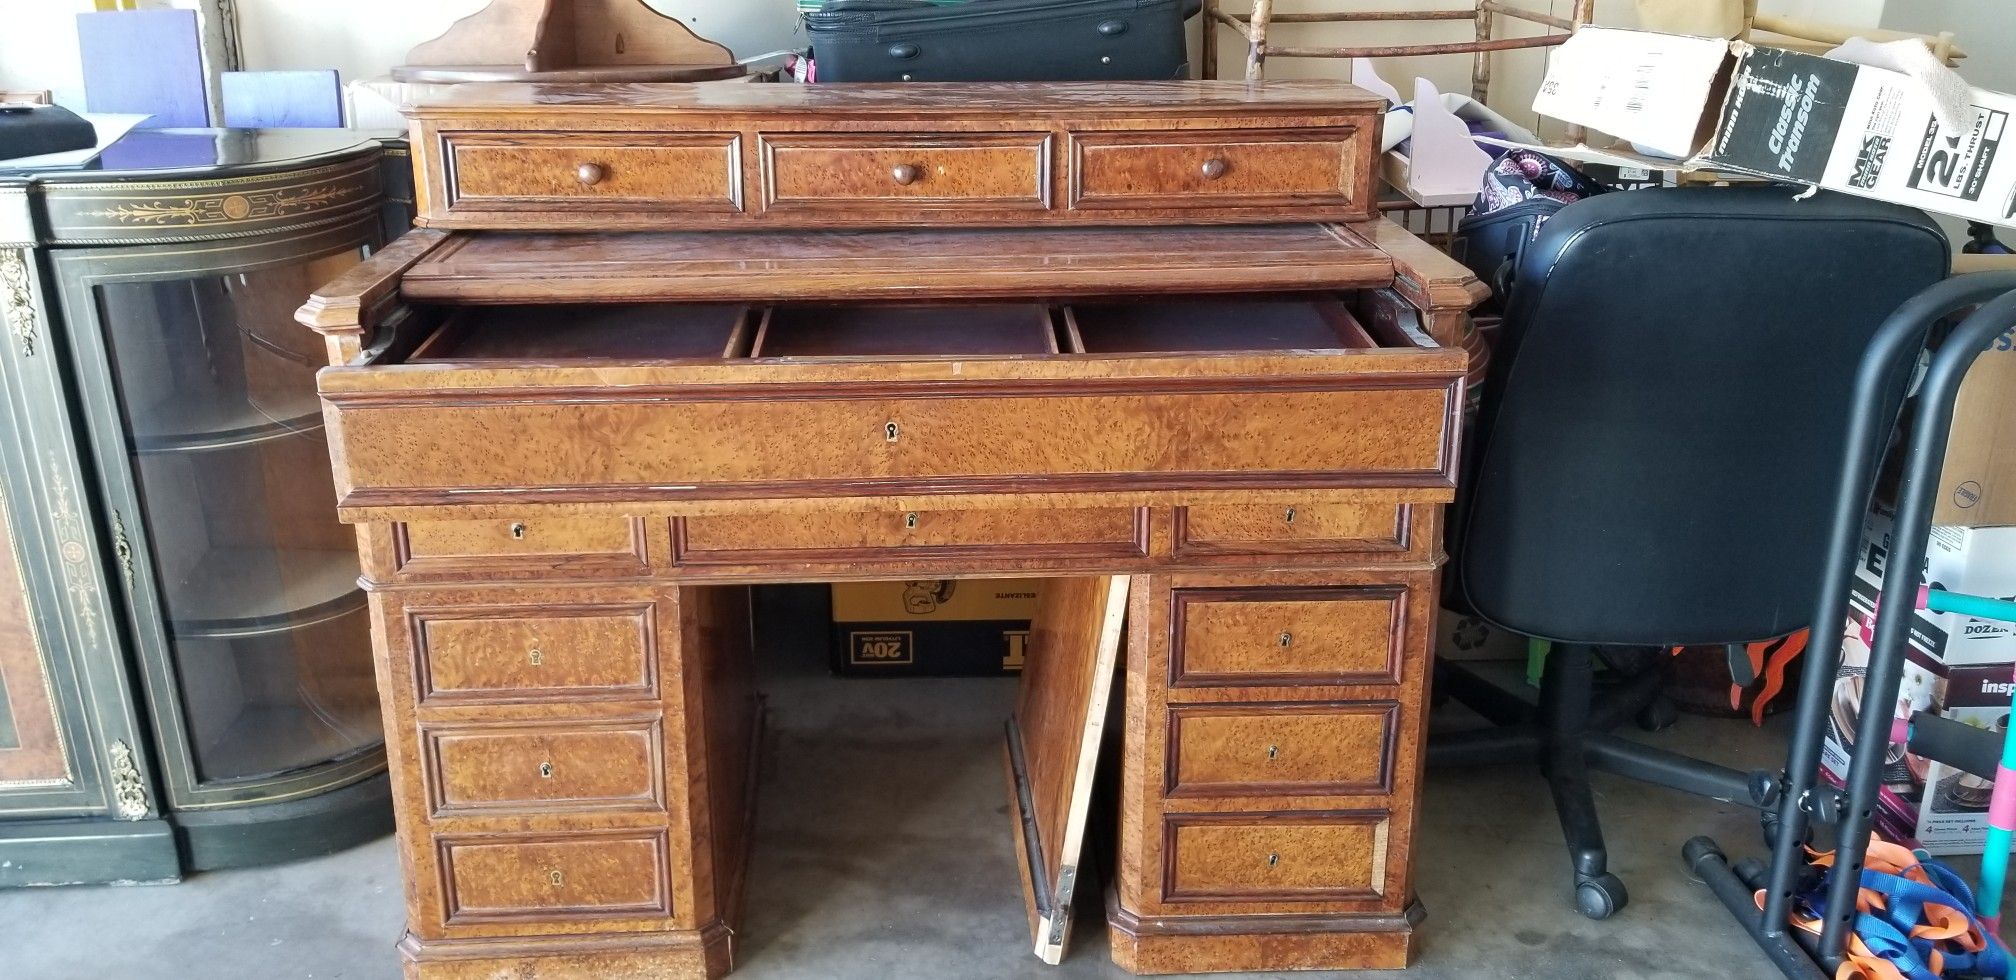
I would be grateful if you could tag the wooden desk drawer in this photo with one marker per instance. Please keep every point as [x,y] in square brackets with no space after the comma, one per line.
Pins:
[556,877]
[547,653]
[1261,168]
[1345,528]
[689,172]
[1304,635]
[827,171]
[1281,749]
[1119,532]
[546,767]
[613,543]
[1286,857]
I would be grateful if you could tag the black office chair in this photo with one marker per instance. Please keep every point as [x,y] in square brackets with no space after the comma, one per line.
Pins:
[1655,459]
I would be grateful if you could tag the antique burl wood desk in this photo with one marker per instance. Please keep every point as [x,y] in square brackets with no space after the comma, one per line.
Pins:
[657,343]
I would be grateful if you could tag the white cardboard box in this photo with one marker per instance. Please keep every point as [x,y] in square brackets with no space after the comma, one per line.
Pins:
[1707,103]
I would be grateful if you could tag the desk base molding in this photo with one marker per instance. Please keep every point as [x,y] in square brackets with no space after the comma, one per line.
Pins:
[699,955]
[1213,944]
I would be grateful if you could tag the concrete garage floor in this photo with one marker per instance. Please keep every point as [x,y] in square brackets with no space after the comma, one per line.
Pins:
[883,853]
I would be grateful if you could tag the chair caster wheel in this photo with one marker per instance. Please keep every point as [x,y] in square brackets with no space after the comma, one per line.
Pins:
[1658,715]
[1600,897]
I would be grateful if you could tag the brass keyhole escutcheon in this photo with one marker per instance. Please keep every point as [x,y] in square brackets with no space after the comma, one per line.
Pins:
[1273,859]
[1290,516]
[891,431]
[537,656]
[545,770]
[1214,168]
[910,521]
[590,174]
[1287,638]
[555,877]
[906,174]
[518,530]
[1272,751]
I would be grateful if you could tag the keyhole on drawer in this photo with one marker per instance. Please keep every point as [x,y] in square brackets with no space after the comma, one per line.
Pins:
[1273,859]
[518,531]
[1290,517]
[1272,751]
[554,877]
[910,520]
[537,656]
[1287,638]
[545,770]
[891,431]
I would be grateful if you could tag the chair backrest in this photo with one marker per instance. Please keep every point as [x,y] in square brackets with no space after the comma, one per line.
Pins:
[1655,457]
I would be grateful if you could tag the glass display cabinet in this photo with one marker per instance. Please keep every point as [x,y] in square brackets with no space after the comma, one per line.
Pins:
[232,649]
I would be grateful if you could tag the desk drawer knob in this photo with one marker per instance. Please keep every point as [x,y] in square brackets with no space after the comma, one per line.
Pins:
[1287,638]
[590,174]
[1215,168]
[545,770]
[906,173]
[517,531]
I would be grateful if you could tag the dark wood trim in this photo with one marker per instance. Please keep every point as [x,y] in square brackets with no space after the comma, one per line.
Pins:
[1380,785]
[1128,924]
[1180,599]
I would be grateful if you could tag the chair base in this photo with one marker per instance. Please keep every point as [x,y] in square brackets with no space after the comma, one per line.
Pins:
[1569,738]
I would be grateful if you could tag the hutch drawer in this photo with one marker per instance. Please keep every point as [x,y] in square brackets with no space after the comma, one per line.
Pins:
[629,172]
[810,171]
[1288,636]
[1281,749]
[546,653]
[564,767]
[1205,170]
[1119,532]
[555,878]
[1276,857]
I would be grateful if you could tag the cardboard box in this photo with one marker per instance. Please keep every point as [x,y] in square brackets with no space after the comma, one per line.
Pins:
[1956,666]
[1977,486]
[932,628]
[1723,105]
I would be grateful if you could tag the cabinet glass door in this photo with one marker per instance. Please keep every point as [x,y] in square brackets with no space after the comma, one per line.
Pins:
[256,580]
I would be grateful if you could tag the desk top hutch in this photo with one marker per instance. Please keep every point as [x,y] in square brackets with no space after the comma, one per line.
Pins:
[656,343]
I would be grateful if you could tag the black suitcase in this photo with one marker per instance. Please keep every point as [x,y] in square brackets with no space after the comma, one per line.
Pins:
[1000,40]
